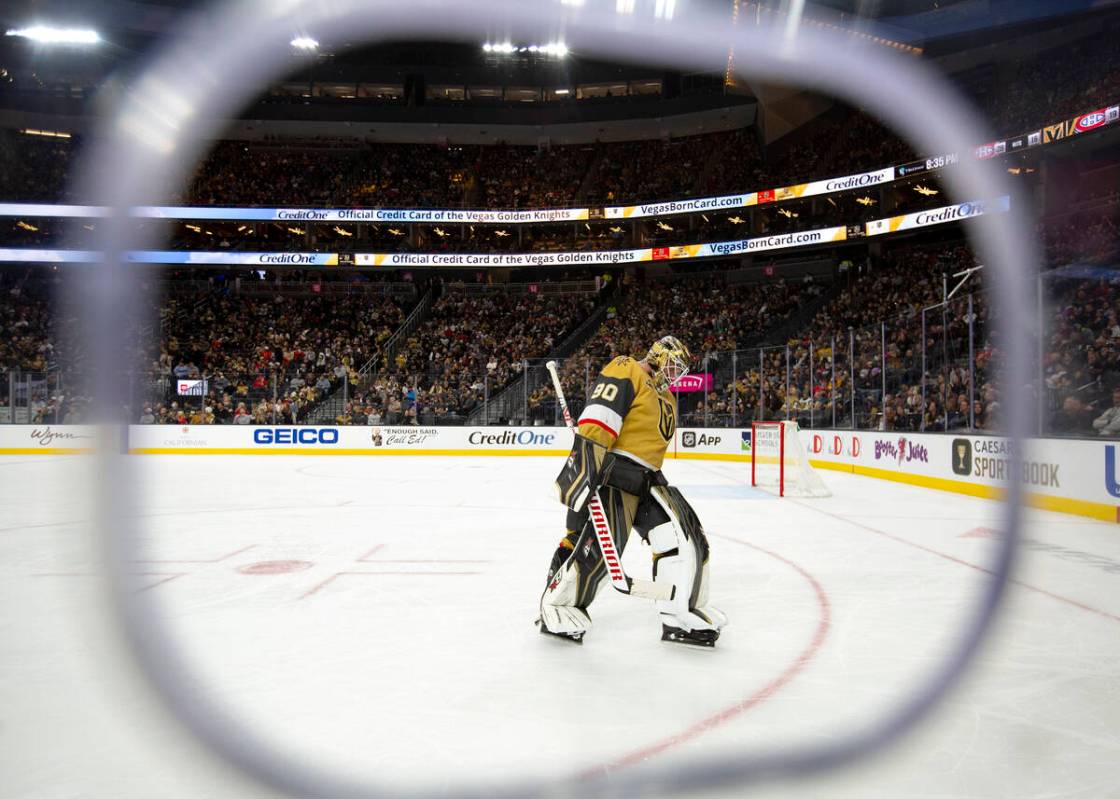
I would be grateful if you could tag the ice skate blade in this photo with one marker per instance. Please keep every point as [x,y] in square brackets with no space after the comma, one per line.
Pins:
[572,638]
[701,638]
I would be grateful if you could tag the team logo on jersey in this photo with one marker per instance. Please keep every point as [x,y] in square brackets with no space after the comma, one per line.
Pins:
[665,423]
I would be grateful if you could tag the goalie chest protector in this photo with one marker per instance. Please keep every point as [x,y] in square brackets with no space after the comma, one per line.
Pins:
[628,415]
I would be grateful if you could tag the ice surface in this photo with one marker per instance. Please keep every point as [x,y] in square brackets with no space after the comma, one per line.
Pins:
[375,616]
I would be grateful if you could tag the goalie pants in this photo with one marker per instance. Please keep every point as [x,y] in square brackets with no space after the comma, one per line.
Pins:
[646,510]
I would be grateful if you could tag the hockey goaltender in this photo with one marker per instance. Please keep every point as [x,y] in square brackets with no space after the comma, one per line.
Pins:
[612,479]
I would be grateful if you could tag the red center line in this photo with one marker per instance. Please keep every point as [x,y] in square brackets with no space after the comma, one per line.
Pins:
[334,577]
[1014,581]
[375,549]
[167,577]
[214,560]
[444,560]
[824,622]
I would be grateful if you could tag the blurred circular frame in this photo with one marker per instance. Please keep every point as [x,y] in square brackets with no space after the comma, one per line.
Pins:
[185,95]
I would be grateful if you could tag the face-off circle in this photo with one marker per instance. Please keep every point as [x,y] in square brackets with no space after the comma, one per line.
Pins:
[275,567]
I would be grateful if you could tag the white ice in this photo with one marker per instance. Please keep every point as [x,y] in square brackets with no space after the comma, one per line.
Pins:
[374,615]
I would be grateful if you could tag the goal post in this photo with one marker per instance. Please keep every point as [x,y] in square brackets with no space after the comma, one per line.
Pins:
[779,461]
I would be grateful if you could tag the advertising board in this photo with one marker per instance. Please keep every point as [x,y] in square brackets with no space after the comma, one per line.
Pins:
[1068,475]
[45,439]
[330,440]
[1080,476]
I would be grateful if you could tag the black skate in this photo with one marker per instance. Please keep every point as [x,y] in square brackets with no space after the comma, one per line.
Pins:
[575,638]
[693,637]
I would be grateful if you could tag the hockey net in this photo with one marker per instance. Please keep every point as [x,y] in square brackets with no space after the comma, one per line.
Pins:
[779,462]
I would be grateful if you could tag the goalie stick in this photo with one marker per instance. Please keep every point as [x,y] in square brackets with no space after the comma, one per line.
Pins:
[619,579]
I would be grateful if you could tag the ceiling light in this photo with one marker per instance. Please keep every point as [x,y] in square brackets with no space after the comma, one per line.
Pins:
[304,43]
[561,91]
[52,134]
[486,48]
[48,35]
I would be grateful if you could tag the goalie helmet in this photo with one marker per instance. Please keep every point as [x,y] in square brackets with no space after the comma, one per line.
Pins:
[668,359]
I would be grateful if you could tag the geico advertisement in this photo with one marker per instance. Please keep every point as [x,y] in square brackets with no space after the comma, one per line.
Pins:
[237,437]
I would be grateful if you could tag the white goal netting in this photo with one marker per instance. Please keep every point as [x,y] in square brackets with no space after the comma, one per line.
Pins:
[779,462]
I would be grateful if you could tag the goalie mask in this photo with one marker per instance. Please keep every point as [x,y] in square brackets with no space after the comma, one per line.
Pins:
[668,359]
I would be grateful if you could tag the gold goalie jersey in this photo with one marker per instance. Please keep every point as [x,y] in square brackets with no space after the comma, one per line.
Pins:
[628,415]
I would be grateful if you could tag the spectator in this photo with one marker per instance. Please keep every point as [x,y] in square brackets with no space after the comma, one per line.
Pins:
[1108,423]
[1072,418]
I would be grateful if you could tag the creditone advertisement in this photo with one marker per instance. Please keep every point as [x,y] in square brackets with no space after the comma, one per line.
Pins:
[234,258]
[719,249]
[268,259]
[30,255]
[864,180]
[937,216]
[503,259]
[329,215]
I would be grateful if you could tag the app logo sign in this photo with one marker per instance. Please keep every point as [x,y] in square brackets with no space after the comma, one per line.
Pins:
[295,435]
[688,439]
[962,456]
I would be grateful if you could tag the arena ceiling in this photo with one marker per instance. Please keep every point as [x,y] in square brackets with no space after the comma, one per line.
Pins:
[913,21]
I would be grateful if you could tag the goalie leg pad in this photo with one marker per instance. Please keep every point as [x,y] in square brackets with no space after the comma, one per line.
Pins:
[680,557]
[578,571]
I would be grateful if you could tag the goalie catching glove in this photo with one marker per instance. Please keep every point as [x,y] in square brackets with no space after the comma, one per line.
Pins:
[580,477]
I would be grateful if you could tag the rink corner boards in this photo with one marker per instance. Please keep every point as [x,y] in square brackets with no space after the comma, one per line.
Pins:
[1077,507]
